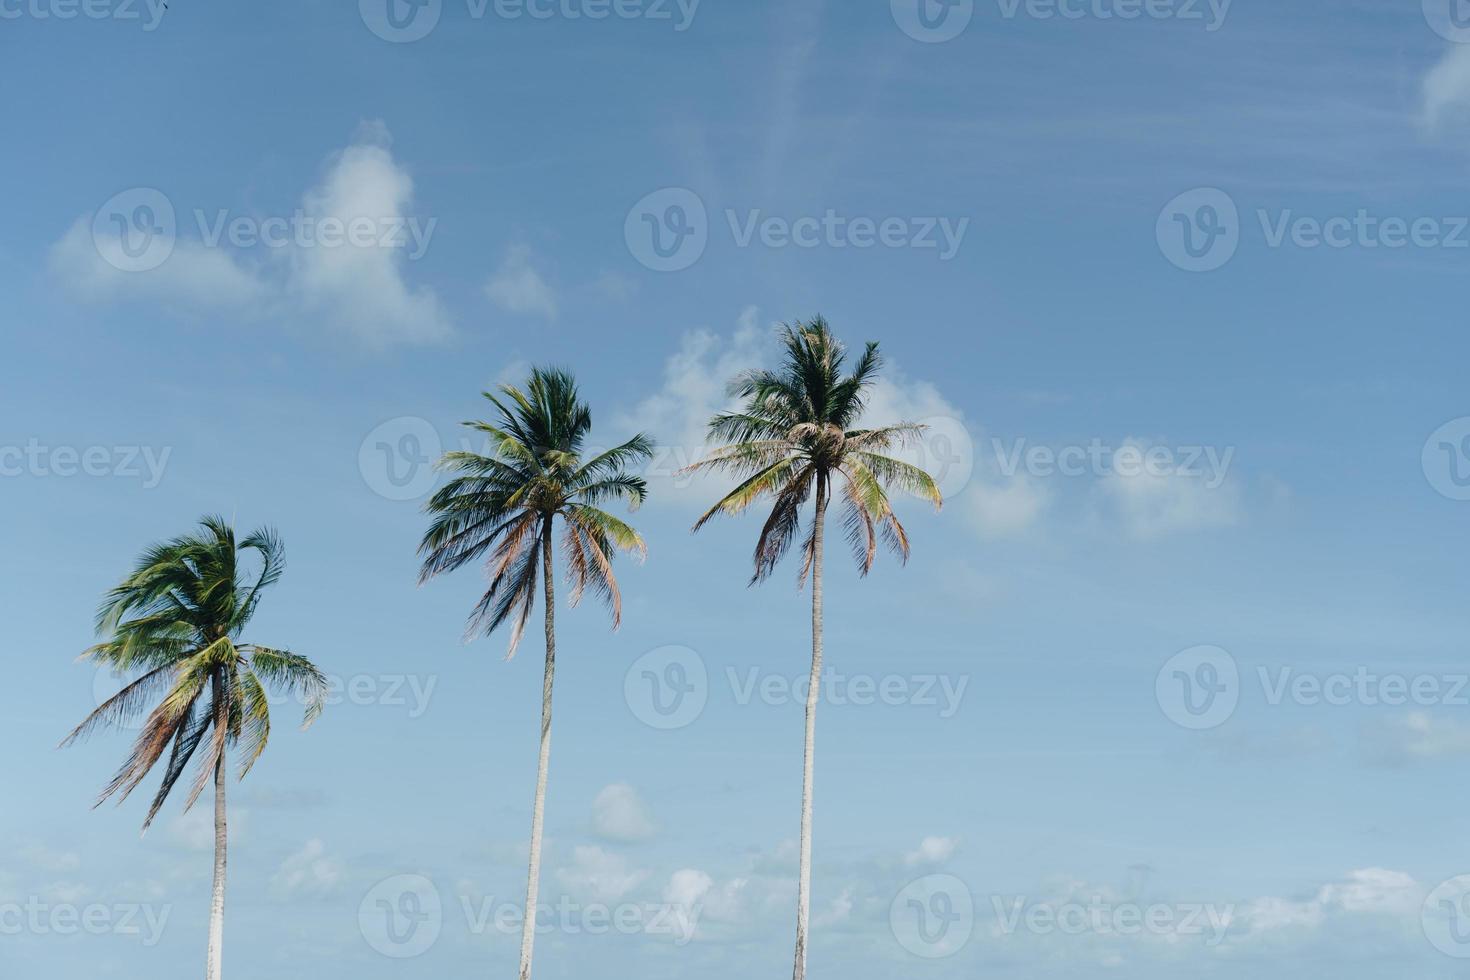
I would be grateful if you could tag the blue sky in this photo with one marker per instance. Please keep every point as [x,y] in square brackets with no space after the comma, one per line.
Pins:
[1179,293]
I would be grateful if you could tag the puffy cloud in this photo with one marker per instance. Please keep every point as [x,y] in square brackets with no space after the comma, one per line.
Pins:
[932,850]
[597,876]
[1155,503]
[307,873]
[353,284]
[619,814]
[1370,891]
[361,289]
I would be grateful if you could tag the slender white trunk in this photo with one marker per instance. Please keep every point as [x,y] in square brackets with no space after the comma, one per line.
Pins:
[533,880]
[221,844]
[804,885]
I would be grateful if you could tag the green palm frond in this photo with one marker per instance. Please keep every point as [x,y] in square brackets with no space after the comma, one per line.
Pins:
[289,672]
[500,506]
[255,720]
[795,437]
[175,621]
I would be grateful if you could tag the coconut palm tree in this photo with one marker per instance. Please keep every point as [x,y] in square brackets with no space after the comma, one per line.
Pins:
[797,438]
[176,621]
[502,505]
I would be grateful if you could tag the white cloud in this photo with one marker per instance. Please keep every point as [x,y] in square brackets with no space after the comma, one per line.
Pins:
[619,814]
[1004,507]
[361,290]
[307,873]
[1446,86]
[614,288]
[677,415]
[1370,891]
[1151,504]
[353,288]
[595,875]
[838,912]
[1414,737]
[517,287]
[194,280]
[684,895]
[50,860]
[932,850]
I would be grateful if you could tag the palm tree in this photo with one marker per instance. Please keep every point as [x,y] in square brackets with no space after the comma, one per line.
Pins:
[177,619]
[502,506]
[792,439]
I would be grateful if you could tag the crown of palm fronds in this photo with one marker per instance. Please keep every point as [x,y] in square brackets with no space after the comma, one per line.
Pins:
[796,433]
[502,504]
[177,618]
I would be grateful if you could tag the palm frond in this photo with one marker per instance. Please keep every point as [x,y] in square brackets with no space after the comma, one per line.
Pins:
[905,476]
[768,480]
[125,706]
[176,617]
[287,671]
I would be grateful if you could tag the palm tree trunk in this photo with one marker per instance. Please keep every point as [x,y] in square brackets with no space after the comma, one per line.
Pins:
[533,882]
[804,885]
[221,844]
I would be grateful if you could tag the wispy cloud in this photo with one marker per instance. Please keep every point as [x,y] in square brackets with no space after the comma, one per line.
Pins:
[517,287]
[1446,87]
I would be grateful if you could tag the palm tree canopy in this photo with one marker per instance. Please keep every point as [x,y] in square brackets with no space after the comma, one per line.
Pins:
[178,619]
[502,504]
[797,433]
